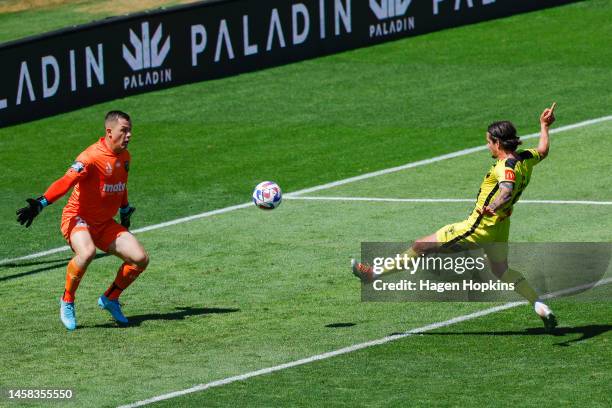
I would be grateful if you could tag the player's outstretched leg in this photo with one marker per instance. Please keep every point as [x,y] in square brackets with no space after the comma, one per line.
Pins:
[366,273]
[85,251]
[126,247]
[363,271]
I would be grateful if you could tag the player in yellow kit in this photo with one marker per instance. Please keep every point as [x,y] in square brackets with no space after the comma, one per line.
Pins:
[489,222]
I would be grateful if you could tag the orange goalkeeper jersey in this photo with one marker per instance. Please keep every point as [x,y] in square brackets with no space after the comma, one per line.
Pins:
[101,184]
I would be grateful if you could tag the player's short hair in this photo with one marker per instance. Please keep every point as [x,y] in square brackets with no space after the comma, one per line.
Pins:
[505,132]
[115,115]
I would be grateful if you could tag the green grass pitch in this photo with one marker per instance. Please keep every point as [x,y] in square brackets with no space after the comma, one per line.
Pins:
[248,289]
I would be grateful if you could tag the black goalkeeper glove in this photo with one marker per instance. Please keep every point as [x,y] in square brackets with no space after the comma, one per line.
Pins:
[27,214]
[124,214]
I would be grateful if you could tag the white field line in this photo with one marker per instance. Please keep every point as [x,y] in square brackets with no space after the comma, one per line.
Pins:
[355,347]
[136,231]
[441,200]
[447,156]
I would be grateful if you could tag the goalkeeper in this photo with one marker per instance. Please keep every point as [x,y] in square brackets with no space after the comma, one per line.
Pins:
[99,176]
[489,223]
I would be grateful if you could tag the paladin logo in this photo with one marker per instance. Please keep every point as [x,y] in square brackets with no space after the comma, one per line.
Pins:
[394,10]
[147,54]
[389,8]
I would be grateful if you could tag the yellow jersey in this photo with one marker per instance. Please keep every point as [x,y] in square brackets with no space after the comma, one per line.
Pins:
[517,171]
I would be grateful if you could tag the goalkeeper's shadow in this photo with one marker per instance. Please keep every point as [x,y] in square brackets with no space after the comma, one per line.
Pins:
[181,313]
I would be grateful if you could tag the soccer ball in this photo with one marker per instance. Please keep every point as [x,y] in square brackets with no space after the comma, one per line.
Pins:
[267,195]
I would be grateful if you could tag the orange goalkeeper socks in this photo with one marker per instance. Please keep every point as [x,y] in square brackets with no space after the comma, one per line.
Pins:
[125,276]
[73,278]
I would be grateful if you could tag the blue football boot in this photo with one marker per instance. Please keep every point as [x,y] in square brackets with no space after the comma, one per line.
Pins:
[114,308]
[68,314]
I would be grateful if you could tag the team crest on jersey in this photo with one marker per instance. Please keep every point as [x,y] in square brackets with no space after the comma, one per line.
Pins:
[126,164]
[77,166]
[510,175]
[118,164]
[109,169]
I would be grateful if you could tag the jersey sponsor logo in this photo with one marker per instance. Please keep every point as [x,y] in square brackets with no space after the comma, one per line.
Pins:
[77,166]
[510,175]
[113,188]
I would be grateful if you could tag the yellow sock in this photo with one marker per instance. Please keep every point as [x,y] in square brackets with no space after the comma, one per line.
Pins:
[410,253]
[521,286]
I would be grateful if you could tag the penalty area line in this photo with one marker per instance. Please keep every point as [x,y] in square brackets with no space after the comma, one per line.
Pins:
[356,347]
[441,200]
[325,186]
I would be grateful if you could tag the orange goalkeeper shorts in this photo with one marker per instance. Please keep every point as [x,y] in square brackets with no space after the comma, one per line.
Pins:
[102,234]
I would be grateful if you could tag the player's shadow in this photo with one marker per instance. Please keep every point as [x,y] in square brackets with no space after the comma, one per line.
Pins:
[586,332]
[180,314]
[339,325]
[49,265]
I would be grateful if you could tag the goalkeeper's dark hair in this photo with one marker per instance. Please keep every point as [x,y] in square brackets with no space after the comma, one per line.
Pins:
[115,115]
[505,132]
